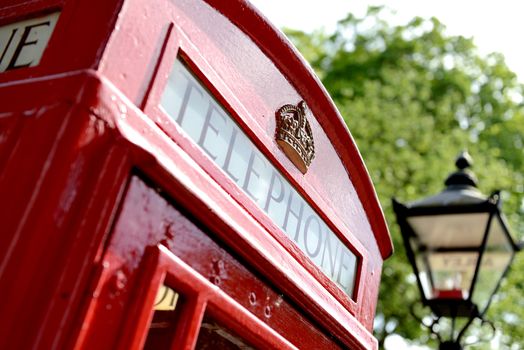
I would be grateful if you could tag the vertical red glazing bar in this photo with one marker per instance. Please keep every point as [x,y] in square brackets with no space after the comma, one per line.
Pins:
[187,330]
[218,304]
[140,313]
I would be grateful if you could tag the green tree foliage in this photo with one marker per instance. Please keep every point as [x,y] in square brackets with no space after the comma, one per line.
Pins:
[413,98]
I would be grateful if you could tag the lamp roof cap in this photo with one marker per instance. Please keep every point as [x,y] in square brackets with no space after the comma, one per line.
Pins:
[461,187]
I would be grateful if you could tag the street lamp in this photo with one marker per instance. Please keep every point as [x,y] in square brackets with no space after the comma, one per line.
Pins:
[460,248]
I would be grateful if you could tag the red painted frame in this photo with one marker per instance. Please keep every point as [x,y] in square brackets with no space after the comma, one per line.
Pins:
[128,281]
[164,266]
[66,154]
[178,47]
[276,46]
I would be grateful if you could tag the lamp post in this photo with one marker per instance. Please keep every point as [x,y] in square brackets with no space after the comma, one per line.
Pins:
[460,248]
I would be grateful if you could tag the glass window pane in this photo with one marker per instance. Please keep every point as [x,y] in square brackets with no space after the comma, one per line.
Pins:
[446,231]
[423,268]
[162,327]
[496,258]
[452,273]
[213,336]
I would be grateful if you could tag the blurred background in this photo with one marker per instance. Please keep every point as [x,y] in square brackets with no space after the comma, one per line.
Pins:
[417,82]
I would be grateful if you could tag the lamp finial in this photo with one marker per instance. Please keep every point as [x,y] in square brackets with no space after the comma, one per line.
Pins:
[462,177]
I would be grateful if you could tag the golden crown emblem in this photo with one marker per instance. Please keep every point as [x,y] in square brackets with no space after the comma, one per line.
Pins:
[294,136]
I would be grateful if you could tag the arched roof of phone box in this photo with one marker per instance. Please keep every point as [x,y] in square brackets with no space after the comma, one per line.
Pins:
[128,48]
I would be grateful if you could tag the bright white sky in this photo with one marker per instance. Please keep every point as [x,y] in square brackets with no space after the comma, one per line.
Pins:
[494,25]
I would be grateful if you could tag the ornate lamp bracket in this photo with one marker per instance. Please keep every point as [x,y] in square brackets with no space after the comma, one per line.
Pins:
[453,341]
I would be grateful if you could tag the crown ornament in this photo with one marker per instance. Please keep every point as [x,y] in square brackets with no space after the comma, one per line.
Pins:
[294,136]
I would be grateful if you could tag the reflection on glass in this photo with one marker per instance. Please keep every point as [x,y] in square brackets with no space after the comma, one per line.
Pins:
[422,266]
[452,273]
[495,260]
[162,327]
[213,336]
[452,230]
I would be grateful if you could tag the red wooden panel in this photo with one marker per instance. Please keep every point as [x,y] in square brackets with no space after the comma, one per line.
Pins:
[220,305]
[244,70]
[147,220]
[194,190]
[101,124]
[60,177]
[249,60]
[71,131]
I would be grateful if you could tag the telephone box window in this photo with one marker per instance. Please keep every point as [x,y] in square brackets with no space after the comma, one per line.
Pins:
[195,110]
[23,43]
[162,327]
[212,335]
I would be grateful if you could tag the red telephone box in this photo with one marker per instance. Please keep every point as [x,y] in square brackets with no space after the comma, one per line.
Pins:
[174,176]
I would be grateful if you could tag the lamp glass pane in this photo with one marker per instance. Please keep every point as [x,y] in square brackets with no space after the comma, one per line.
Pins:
[496,258]
[452,273]
[450,230]
[423,268]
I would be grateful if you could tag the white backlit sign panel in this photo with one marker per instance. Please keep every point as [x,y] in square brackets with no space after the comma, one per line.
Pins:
[193,108]
[23,43]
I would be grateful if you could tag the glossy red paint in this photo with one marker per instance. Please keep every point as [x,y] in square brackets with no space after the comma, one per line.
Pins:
[83,144]
[192,250]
